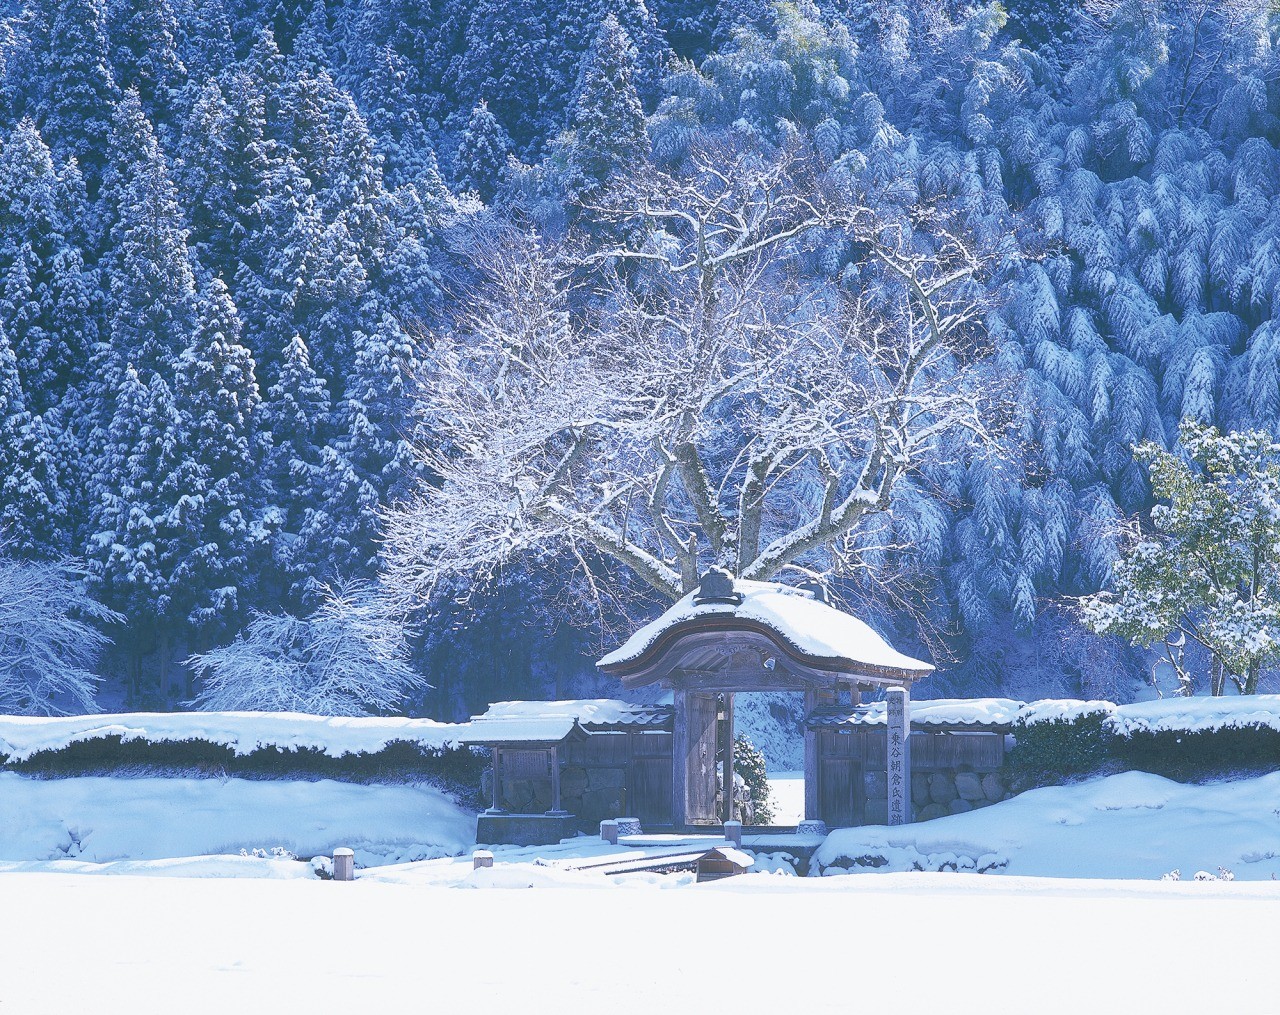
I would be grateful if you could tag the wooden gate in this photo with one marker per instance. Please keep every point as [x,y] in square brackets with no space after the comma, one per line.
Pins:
[700,763]
[840,787]
[649,779]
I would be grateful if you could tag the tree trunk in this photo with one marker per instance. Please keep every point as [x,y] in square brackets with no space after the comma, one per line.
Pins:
[1217,679]
[1251,678]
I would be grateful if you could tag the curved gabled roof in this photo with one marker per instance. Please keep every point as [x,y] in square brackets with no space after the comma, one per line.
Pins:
[799,623]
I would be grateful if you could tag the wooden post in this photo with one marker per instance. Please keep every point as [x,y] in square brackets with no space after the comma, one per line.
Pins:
[810,760]
[680,760]
[497,781]
[733,832]
[344,864]
[727,776]
[555,781]
[481,858]
[898,754]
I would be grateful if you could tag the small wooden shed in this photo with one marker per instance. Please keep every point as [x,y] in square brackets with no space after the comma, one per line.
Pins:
[723,862]
[733,636]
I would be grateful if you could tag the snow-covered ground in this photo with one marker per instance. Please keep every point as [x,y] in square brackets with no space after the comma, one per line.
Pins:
[786,795]
[957,943]
[1132,825]
[170,930]
[102,819]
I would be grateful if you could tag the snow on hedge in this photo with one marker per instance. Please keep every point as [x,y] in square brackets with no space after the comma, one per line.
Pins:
[949,712]
[1165,715]
[101,819]
[242,732]
[1132,825]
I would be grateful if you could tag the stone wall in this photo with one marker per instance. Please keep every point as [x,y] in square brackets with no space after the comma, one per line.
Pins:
[593,793]
[937,793]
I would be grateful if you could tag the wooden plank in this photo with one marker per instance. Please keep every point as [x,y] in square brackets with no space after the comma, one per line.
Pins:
[812,803]
[680,752]
[700,759]
[727,774]
[649,791]
[651,745]
[839,779]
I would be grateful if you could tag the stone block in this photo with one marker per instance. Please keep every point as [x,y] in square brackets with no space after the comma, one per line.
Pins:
[959,806]
[607,778]
[969,786]
[601,803]
[942,788]
[573,780]
[931,811]
[877,812]
[919,789]
[525,829]
[518,794]
[993,787]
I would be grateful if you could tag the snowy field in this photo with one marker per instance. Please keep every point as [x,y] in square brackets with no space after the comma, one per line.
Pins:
[786,796]
[110,909]
[392,943]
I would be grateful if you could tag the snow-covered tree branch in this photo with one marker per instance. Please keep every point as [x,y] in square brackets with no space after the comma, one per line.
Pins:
[49,643]
[1209,570]
[689,398]
[341,660]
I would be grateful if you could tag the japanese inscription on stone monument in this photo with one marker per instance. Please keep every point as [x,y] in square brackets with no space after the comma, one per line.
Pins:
[898,755]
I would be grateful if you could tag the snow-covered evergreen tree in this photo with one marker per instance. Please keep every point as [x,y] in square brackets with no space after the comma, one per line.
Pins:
[609,135]
[480,164]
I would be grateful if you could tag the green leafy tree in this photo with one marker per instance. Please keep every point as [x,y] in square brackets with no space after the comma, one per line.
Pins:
[1208,570]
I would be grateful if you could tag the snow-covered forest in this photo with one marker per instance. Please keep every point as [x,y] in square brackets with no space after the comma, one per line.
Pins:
[398,295]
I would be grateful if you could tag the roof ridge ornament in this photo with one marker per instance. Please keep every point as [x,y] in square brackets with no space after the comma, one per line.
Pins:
[716,587]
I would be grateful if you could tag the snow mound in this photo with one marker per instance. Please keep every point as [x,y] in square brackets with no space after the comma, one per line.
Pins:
[1132,825]
[100,819]
[242,732]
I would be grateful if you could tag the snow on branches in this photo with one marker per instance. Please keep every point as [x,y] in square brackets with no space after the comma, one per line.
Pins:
[341,660]
[1209,568]
[683,396]
[48,643]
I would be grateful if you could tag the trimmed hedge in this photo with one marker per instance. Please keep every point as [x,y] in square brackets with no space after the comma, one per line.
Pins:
[456,770]
[1051,751]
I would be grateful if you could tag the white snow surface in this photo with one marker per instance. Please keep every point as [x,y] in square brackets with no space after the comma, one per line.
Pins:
[814,628]
[243,732]
[1132,825]
[546,720]
[1181,715]
[395,941]
[948,712]
[101,819]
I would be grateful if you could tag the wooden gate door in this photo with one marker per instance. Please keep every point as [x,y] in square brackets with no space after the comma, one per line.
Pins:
[839,780]
[700,764]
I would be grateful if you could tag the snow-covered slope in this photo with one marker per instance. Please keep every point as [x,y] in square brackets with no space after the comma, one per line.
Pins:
[1132,825]
[103,819]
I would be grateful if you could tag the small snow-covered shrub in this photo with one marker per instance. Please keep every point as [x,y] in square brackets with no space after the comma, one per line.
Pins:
[48,641]
[749,763]
[344,659]
[1050,749]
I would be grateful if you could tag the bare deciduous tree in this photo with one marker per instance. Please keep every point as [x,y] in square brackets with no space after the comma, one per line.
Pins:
[699,400]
